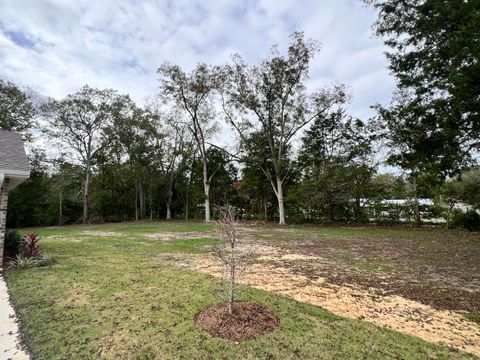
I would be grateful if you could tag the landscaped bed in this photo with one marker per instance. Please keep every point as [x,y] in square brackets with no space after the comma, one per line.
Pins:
[133,291]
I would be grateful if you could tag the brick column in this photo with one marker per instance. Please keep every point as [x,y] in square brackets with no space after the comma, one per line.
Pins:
[3,216]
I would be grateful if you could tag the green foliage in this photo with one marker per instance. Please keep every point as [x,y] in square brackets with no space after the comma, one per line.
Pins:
[45,259]
[469,220]
[132,162]
[16,109]
[22,262]
[274,95]
[388,186]
[28,203]
[471,186]
[432,122]
[13,243]
[336,168]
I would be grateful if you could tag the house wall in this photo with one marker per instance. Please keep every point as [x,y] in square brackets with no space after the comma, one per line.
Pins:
[3,215]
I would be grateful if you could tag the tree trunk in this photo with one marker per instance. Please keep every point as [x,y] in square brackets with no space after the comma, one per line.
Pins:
[231,292]
[85,194]
[329,210]
[418,220]
[358,209]
[265,208]
[329,199]
[207,202]
[150,197]
[60,208]
[60,201]
[281,206]
[141,194]
[170,195]
[449,213]
[206,186]
[136,201]
[186,204]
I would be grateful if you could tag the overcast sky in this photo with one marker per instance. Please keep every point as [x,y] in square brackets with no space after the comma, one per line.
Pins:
[57,46]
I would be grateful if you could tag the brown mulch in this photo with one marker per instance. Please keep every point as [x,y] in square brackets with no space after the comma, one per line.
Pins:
[248,321]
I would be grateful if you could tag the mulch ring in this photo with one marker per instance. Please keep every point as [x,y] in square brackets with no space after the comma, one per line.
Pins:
[248,321]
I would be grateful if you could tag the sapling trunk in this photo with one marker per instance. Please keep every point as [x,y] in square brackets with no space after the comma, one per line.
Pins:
[227,252]
[231,292]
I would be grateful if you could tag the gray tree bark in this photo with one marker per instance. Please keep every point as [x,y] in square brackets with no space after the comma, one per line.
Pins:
[86,193]
[281,205]
[206,187]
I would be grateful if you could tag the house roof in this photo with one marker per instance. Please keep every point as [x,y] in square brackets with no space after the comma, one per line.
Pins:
[13,159]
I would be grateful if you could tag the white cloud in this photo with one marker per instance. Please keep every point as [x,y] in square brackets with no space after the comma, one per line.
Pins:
[120,44]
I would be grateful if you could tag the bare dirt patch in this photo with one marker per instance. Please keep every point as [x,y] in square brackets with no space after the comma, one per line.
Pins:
[170,236]
[432,266]
[248,321]
[102,233]
[445,327]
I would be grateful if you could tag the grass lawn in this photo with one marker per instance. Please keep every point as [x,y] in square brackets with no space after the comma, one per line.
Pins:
[110,296]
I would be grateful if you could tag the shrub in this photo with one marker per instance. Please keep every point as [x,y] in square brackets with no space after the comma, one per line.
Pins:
[13,243]
[469,220]
[22,262]
[29,254]
[31,247]
[45,260]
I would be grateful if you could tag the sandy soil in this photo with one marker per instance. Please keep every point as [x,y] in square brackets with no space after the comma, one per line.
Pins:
[102,233]
[445,327]
[169,236]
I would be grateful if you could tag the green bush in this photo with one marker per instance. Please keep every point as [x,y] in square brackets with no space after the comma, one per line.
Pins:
[45,260]
[13,243]
[469,220]
[22,262]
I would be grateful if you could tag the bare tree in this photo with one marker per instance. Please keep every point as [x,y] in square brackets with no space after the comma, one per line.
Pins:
[269,101]
[79,121]
[192,92]
[227,251]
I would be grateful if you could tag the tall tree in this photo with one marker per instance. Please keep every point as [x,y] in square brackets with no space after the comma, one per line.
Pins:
[435,57]
[16,109]
[27,205]
[412,146]
[133,132]
[79,121]
[178,145]
[333,159]
[271,102]
[192,93]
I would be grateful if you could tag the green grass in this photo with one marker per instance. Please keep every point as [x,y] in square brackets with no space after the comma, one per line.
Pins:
[473,316]
[374,266]
[109,297]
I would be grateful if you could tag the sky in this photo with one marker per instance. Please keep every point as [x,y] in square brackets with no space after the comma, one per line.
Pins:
[57,46]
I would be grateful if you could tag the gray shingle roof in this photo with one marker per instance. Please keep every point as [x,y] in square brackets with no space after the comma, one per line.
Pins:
[12,152]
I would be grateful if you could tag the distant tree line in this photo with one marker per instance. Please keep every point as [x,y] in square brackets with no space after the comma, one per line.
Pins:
[297,155]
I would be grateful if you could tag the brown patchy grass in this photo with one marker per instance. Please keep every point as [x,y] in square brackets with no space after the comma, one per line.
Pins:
[435,267]
[422,282]
[134,297]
